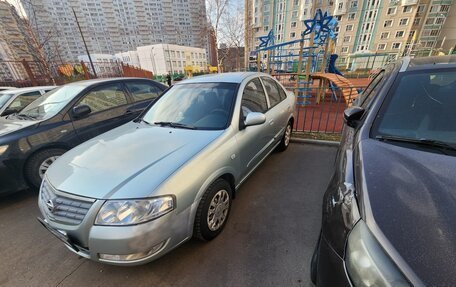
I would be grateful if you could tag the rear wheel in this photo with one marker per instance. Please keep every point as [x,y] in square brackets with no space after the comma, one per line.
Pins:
[39,163]
[213,210]
[285,142]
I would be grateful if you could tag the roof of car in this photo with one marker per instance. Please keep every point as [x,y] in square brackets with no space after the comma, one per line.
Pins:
[87,83]
[235,77]
[424,63]
[29,89]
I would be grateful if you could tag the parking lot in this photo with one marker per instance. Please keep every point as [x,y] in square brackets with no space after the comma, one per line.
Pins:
[268,240]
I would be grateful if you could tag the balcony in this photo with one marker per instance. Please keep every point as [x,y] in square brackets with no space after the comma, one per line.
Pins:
[409,2]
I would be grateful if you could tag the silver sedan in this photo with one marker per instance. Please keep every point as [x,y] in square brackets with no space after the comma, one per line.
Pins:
[136,192]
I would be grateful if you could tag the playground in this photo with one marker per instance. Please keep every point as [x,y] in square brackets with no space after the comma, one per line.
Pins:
[307,66]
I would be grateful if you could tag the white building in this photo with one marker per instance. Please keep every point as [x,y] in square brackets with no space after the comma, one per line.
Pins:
[112,26]
[162,59]
[105,65]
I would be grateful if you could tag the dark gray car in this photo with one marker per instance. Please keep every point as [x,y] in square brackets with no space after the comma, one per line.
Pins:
[389,211]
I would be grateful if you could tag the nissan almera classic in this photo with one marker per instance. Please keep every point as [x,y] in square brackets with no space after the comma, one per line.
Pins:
[134,193]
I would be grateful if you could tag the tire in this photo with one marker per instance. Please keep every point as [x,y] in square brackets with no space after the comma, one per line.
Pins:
[38,163]
[209,208]
[285,141]
[314,263]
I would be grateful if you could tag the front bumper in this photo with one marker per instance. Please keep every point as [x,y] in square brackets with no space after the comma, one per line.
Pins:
[11,177]
[89,241]
[331,268]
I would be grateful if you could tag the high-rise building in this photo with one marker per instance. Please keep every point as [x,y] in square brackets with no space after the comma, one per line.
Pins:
[111,26]
[390,27]
[13,44]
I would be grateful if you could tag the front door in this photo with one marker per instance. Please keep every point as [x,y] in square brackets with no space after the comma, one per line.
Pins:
[253,140]
[109,109]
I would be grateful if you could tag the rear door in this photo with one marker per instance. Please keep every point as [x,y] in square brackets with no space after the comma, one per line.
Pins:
[142,93]
[110,108]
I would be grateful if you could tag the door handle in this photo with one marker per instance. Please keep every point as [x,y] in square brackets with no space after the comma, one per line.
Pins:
[271,122]
[128,112]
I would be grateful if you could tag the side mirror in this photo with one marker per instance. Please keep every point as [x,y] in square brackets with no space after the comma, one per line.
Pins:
[353,115]
[81,111]
[9,111]
[254,119]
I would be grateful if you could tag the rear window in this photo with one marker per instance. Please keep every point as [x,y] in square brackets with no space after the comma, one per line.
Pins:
[422,105]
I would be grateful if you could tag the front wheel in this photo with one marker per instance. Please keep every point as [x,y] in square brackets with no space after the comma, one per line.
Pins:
[285,142]
[39,163]
[213,210]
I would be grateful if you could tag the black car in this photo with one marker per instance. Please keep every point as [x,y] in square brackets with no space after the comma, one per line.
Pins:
[63,118]
[389,212]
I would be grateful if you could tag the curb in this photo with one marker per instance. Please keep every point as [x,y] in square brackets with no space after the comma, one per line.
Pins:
[316,142]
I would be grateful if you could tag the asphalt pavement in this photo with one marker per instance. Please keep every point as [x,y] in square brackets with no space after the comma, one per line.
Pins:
[268,240]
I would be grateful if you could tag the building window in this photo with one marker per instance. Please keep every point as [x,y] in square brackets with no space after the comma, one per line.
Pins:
[429,44]
[439,21]
[385,35]
[416,21]
[407,9]
[391,11]
[381,46]
[266,28]
[347,39]
[388,23]
[341,5]
[434,8]
[434,32]
[337,29]
[351,16]
[292,34]
[339,18]
[349,27]
[412,33]
[400,34]
[420,8]
[403,22]
[430,21]
[354,4]
[294,14]
[296,2]
[444,8]
[344,49]
[293,24]
[396,45]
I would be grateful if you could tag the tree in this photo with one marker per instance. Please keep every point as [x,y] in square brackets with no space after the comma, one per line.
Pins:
[215,10]
[232,32]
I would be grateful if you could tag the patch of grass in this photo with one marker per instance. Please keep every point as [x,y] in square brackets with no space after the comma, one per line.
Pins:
[317,136]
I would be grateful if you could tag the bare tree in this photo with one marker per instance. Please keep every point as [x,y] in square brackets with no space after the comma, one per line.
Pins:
[37,38]
[215,10]
[232,31]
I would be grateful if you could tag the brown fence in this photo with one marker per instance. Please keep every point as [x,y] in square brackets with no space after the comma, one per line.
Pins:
[30,73]
[320,107]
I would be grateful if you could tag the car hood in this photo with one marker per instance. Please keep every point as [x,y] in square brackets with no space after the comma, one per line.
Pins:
[128,162]
[412,198]
[8,126]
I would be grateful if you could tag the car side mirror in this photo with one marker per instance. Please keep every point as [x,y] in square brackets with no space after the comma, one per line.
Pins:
[81,111]
[353,115]
[9,111]
[254,119]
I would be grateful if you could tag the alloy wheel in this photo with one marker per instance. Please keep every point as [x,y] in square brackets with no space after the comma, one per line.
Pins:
[45,165]
[218,210]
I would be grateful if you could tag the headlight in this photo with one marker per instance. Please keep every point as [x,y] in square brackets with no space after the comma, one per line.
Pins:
[128,212]
[367,263]
[3,148]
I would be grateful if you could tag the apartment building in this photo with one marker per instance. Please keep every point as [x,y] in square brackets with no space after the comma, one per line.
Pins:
[162,59]
[386,27]
[13,44]
[112,26]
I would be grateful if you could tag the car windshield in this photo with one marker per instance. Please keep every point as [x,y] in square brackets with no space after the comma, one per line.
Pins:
[51,103]
[4,97]
[204,106]
[421,107]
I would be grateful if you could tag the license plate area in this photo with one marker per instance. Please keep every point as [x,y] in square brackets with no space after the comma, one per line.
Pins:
[61,236]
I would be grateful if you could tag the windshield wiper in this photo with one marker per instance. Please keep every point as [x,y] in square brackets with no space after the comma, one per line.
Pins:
[25,116]
[422,141]
[175,125]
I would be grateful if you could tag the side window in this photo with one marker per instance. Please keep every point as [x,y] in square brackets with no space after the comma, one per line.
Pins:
[272,91]
[104,98]
[368,93]
[24,100]
[143,91]
[254,98]
[283,94]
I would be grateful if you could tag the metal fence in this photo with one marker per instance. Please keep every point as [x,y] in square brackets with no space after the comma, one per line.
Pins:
[320,108]
[31,73]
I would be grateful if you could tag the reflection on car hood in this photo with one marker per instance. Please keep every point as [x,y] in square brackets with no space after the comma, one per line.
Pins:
[128,162]
[412,194]
[7,126]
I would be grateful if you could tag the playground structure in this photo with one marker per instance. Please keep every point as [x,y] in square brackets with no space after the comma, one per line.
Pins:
[306,63]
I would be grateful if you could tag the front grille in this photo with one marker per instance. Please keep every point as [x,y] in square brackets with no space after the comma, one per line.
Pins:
[67,209]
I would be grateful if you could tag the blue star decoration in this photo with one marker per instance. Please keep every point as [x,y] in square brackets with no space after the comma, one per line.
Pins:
[322,24]
[266,40]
